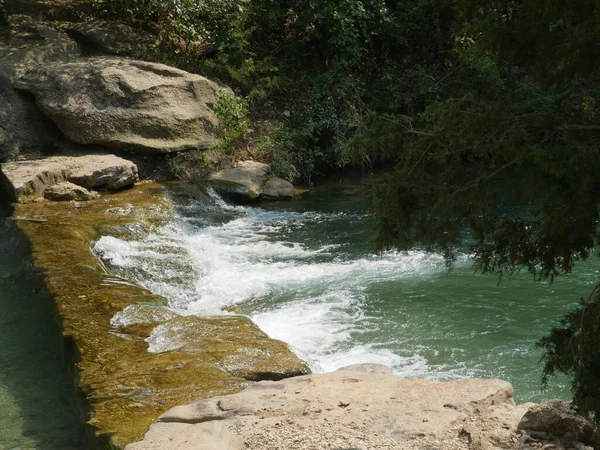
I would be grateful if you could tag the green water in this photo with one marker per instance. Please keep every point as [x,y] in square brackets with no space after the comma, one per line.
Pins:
[37,410]
[304,271]
[445,325]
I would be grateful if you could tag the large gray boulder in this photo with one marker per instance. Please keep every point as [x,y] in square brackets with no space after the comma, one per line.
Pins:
[24,130]
[250,181]
[28,180]
[126,104]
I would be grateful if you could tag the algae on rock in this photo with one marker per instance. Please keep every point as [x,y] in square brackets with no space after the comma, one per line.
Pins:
[125,387]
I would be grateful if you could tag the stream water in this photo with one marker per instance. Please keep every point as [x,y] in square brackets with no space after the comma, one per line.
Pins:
[305,273]
[37,408]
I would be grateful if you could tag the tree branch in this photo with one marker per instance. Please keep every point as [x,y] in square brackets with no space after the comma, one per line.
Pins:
[579,127]
[487,177]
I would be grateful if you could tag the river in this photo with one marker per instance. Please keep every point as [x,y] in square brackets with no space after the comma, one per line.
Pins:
[305,273]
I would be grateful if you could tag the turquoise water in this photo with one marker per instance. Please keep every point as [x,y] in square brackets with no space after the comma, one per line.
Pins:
[37,410]
[305,273]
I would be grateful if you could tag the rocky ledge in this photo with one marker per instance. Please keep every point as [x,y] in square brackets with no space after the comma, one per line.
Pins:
[110,324]
[358,407]
[30,180]
[366,407]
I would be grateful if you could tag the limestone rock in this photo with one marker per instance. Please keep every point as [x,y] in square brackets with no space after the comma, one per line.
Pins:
[68,191]
[237,344]
[113,38]
[31,44]
[126,104]
[382,412]
[558,418]
[276,188]
[251,180]
[26,180]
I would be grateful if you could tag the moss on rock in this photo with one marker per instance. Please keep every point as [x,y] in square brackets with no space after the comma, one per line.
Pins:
[125,387]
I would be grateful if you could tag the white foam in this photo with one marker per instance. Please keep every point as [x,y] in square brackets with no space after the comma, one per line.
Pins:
[311,296]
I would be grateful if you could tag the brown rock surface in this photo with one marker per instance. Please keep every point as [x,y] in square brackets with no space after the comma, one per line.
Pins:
[30,44]
[358,407]
[125,387]
[127,104]
[113,38]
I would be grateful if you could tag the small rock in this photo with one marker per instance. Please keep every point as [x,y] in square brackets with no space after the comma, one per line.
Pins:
[344,403]
[557,417]
[68,191]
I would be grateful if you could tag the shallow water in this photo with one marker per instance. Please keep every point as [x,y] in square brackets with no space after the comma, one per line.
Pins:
[305,273]
[37,409]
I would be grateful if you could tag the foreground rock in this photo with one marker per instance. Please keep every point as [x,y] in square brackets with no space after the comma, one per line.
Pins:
[108,322]
[126,104]
[250,181]
[358,407]
[28,180]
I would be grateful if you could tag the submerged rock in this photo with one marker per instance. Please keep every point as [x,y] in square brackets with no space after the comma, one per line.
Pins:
[28,180]
[363,406]
[126,104]
[235,344]
[250,181]
[68,191]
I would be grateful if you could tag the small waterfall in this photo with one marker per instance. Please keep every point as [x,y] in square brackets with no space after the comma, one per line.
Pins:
[305,273]
[297,284]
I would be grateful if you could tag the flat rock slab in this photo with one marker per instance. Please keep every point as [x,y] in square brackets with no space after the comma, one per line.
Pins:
[357,407]
[28,180]
[126,104]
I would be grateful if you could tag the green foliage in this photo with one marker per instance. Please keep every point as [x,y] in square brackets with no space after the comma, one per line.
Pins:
[178,20]
[235,126]
[574,349]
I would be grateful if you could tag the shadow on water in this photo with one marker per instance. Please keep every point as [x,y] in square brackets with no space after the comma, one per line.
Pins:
[37,407]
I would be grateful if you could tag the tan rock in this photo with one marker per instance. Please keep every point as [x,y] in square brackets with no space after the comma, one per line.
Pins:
[251,180]
[380,411]
[558,418]
[27,180]
[126,104]
[68,191]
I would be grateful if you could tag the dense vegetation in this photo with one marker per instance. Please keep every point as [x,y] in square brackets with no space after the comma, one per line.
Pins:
[487,112]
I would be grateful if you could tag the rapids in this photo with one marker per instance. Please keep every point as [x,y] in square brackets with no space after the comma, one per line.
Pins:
[305,273]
